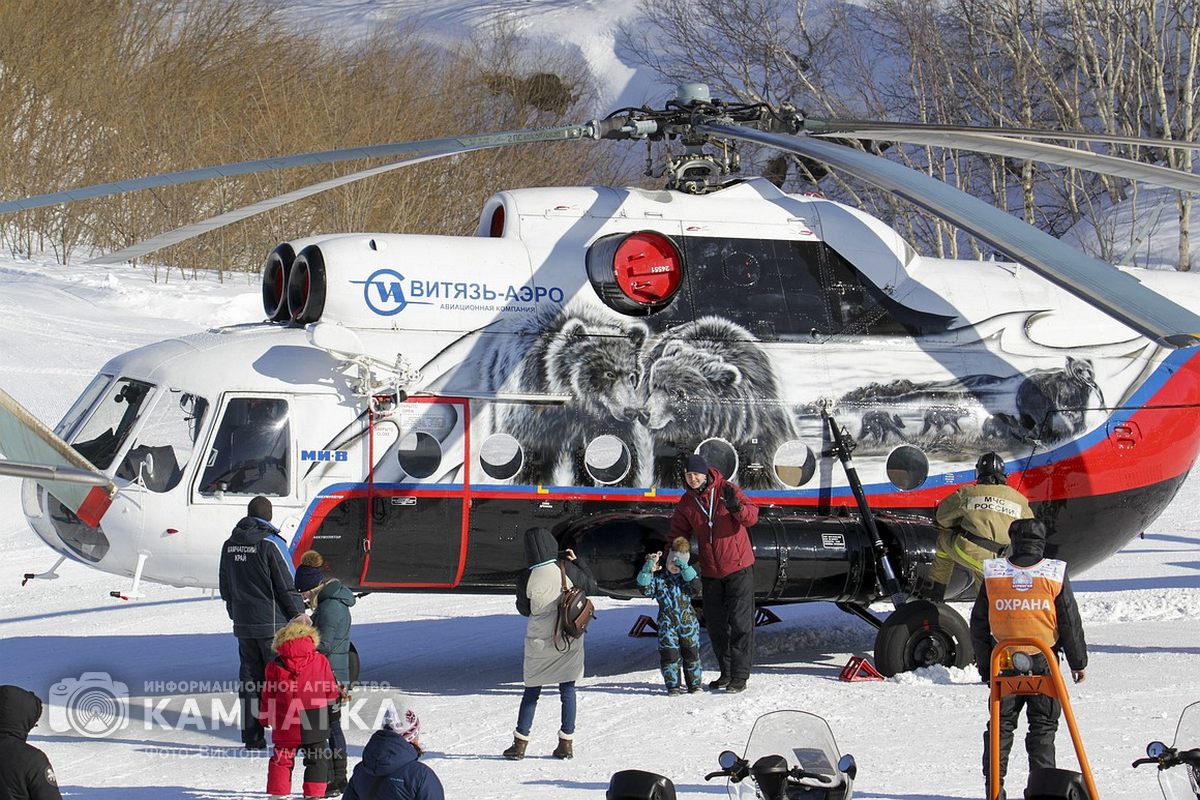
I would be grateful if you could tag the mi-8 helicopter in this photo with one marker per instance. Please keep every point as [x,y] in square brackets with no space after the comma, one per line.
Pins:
[412,403]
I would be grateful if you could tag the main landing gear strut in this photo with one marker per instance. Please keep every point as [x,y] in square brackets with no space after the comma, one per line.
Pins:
[919,633]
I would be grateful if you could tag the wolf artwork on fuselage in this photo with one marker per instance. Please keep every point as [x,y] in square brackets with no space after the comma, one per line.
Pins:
[882,426]
[710,380]
[943,419]
[595,361]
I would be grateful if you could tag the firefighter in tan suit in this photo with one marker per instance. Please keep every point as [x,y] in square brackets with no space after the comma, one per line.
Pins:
[1030,596]
[973,524]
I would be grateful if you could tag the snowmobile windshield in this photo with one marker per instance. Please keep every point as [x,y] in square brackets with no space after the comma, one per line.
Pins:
[803,739]
[1182,782]
[111,419]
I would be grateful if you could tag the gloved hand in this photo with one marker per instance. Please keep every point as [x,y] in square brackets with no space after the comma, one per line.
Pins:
[686,570]
[731,499]
[646,575]
[301,618]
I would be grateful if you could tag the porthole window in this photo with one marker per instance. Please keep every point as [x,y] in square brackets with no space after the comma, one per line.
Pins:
[607,459]
[500,457]
[795,463]
[907,467]
[419,454]
[720,454]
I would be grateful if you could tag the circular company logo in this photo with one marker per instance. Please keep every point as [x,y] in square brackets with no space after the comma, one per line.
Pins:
[384,292]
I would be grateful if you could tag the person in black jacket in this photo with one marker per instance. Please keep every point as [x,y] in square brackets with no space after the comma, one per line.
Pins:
[1027,596]
[257,585]
[25,772]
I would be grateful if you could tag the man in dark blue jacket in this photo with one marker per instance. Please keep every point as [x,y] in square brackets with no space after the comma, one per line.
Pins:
[259,591]
[25,772]
[389,769]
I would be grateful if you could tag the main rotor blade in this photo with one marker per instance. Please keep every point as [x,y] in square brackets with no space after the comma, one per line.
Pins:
[147,246]
[859,127]
[1097,282]
[1041,151]
[445,146]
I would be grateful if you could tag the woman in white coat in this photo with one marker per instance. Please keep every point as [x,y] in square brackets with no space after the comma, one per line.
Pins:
[548,658]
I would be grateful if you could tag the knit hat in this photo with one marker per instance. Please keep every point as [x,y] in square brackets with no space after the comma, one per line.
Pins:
[403,722]
[696,463]
[308,578]
[260,507]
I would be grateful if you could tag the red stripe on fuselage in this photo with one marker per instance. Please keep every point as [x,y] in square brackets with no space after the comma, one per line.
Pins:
[1162,444]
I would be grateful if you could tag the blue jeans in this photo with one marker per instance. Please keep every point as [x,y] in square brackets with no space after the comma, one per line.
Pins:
[566,691]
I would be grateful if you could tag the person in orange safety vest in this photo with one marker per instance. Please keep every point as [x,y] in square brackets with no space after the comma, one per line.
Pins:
[1029,596]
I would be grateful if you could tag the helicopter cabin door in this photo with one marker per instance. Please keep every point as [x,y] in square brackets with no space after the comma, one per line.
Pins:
[414,534]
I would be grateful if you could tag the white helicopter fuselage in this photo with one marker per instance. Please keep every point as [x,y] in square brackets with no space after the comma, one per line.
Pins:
[465,388]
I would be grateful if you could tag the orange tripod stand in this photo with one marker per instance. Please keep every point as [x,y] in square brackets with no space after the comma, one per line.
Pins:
[1050,685]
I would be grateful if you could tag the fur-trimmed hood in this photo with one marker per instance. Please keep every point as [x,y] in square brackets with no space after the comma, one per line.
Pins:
[296,643]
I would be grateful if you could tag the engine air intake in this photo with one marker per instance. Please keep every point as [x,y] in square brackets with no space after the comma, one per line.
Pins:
[275,282]
[306,286]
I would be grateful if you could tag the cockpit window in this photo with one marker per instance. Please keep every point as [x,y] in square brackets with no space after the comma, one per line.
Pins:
[81,406]
[165,442]
[105,430]
[250,453]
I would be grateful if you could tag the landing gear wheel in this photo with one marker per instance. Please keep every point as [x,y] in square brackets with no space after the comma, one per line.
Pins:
[921,634]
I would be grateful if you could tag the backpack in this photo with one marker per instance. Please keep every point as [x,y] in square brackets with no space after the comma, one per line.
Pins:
[575,610]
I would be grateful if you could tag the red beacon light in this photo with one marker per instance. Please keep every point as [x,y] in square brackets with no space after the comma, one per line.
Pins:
[635,273]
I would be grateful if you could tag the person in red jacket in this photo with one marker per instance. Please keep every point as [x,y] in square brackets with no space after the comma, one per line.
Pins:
[717,514]
[298,690]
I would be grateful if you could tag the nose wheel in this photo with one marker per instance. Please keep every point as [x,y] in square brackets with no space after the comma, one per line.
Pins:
[921,634]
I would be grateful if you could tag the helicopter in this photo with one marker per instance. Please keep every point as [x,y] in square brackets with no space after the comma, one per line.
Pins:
[412,403]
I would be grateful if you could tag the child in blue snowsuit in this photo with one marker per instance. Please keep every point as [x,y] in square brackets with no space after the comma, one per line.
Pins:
[678,628]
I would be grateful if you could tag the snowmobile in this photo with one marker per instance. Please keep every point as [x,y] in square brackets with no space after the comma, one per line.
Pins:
[790,755]
[1178,766]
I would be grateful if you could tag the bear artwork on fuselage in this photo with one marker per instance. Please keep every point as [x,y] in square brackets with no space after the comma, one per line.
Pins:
[709,380]
[635,404]
[594,361]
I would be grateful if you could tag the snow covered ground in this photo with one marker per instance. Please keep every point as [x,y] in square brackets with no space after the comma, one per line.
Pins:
[457,660]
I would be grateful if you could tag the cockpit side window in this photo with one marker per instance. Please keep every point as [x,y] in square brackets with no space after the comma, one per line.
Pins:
[101,436]
[166,441]
[250,454]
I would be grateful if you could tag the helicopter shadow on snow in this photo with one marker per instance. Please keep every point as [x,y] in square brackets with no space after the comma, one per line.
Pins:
[155,793]
[454,655]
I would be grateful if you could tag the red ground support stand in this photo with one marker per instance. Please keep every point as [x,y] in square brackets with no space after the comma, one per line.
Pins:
[1050,685]
[645,626]
[859,669]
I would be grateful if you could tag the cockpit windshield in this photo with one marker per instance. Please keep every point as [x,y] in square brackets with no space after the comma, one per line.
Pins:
[102,435]
[250,451]
[82,405]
